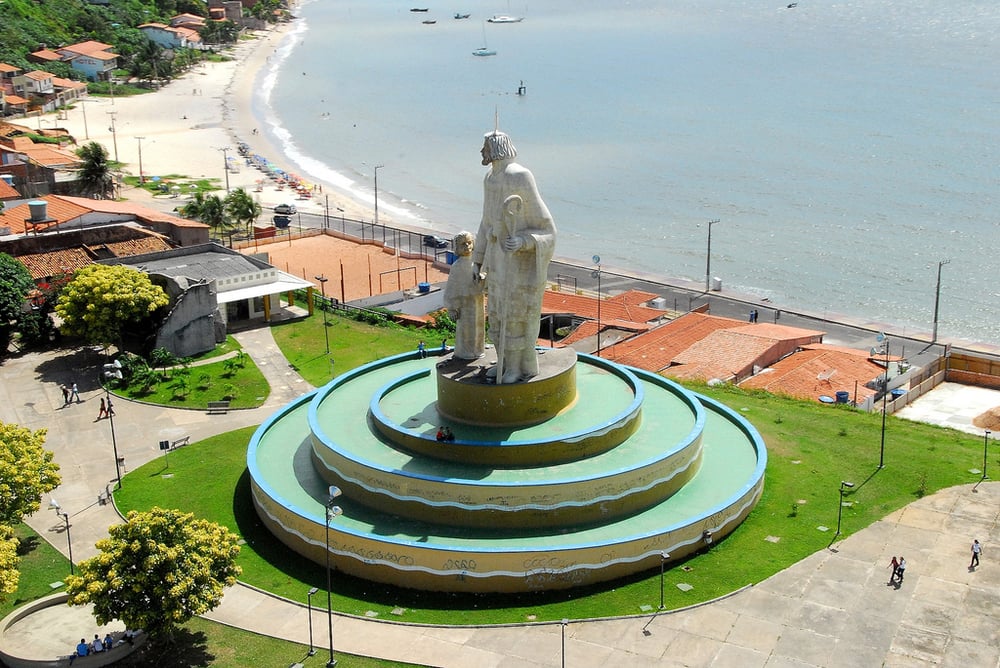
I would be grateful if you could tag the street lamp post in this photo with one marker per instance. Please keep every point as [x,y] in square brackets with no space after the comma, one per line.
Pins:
[986,445]
[840,508]
[563,623]
[53,505]
[597,274]
[309,602]
[937,299]
[322,287]
[708,257]
[885,393]
[377,167]
[331,512]
[343,223]
[114,132]
[142,179]
[225,166]
[663,560]
[113,370]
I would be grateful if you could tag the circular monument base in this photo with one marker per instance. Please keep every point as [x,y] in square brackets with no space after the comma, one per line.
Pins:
[465,393]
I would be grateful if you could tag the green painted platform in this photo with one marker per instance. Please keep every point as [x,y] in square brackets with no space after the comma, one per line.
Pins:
[291,466]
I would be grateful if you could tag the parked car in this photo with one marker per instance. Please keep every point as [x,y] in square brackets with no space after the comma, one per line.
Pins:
[282,221]
[435,242]
[286,209]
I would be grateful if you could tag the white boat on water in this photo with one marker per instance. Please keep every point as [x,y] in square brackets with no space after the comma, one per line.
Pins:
[484,50]
[503,18]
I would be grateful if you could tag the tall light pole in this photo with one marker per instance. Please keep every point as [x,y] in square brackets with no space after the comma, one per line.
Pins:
[937,299]
[663,560]
[377,167]
[142,179]
[69,541]
[113,370]
[331,512]
[114,132]
[326,331]
[563,623]
[885,392]
[597,274]
[83,108]
[309,602]
[986,445]
[840,508]
[708,256]
[225,165]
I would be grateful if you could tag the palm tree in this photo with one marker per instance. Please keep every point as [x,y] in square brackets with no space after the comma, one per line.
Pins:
[94,177]
[242,208]
[213,213]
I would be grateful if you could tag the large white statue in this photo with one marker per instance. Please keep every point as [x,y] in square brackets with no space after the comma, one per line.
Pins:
[513,247]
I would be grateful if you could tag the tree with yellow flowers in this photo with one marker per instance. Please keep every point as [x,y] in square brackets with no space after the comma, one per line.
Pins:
[157,570]
[101,302]
[26,472]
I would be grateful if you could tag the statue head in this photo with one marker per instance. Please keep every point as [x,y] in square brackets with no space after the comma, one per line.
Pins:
[497,146]
[463,243]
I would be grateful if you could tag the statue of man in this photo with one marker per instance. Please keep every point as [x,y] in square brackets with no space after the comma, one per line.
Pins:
[463,296]
[513,247]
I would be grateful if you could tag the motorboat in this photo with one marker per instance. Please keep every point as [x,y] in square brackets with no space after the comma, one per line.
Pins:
[461,16]
[420,9]
[483,51]
[429,22]
[503,18]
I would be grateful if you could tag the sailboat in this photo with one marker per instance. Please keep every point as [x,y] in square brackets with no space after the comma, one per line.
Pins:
[484,50]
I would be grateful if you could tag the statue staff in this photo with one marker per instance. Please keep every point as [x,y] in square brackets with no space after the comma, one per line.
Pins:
[511,213]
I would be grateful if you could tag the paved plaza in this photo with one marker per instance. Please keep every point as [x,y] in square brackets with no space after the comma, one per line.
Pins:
[834,608]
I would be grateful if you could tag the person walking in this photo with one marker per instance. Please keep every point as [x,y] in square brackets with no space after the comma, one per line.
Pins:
[901,569]
[74,393]
[65,391]
[893,567]
[977,549]
[103,413]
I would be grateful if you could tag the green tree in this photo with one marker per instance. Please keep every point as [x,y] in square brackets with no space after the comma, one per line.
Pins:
[242,208]
[213,214]
[9,575]
[15,283]
[102,302]
[94,178]
[26,472]
[157,570]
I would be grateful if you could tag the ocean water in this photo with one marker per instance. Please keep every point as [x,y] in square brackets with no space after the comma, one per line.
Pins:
[846,148]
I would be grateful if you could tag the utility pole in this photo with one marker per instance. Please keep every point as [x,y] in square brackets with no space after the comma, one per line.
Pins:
[937,299]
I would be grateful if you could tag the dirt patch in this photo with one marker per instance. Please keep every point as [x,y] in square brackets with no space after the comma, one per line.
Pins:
[988,420]
[354,270]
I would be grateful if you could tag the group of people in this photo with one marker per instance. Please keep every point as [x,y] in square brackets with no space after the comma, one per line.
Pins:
[71,393]
[444,435]
[106,410]
[101,645]
[897,568]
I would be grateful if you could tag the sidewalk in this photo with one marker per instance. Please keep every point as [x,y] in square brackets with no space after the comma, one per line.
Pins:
[831,609]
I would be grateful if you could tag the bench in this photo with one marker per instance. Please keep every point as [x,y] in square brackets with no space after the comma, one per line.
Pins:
[218,407]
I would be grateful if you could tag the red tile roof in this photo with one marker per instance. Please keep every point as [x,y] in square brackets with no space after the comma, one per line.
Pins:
[141,213]
[8,191]
[58,210]
[817,370]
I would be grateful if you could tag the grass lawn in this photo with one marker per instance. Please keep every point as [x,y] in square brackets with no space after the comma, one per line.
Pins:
[237,379]
[811,448]
[41,565]
[352,344]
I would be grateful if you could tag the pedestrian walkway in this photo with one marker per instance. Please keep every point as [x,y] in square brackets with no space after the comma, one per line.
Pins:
[834,608]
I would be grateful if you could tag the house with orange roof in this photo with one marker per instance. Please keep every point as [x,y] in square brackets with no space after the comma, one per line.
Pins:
[7,190]
[170,37]
[705,347]
[614,318]
[61,213]
[37,168]
[821,370]
[192,21]
[91,58]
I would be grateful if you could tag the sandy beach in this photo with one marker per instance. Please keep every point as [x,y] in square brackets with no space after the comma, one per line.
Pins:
[190,126]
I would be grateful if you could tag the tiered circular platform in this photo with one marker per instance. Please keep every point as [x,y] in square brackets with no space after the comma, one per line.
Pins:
[632,467]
